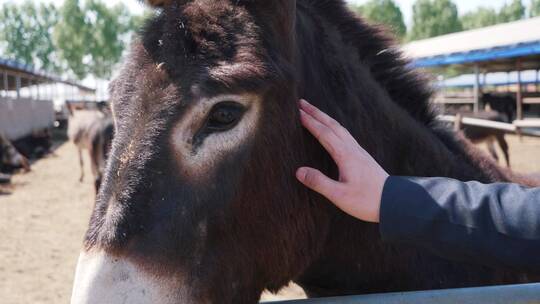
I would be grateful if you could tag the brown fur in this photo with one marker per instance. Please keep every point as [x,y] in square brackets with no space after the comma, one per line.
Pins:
[159,3]
[248,224]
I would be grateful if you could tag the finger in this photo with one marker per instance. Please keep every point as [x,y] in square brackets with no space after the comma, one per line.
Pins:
[324,119]
[317,181]
[328,139]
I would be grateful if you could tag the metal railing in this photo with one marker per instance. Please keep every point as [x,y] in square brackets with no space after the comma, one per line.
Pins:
[519,126]
[506,294]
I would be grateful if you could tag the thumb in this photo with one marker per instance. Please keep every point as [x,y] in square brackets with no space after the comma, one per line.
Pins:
[318,182]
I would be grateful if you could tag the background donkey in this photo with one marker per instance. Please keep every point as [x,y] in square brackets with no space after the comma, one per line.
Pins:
[10,158]
[477,134]
[91,130]
[199,202]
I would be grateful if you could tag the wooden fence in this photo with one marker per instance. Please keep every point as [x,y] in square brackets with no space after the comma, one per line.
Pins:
[520,127]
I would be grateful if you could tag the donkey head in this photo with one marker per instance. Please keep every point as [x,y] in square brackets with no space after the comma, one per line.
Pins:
[199,202]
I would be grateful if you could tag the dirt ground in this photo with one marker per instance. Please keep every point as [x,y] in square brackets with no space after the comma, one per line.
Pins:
[44,214]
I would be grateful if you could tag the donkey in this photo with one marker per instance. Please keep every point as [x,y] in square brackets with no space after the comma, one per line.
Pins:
[477,134]
[505,104]
[91,130]
[10,158]
[36,145]
[199,202]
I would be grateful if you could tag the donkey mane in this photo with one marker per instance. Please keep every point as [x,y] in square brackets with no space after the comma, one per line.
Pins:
[379,50]
[408,88]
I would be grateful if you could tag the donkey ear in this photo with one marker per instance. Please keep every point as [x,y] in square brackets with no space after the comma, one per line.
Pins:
[158,3]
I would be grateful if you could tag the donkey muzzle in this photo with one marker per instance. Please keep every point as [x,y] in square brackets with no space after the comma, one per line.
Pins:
[101,278]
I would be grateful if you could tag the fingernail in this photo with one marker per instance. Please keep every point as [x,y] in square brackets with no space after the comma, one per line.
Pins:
[301,173]
[303,102]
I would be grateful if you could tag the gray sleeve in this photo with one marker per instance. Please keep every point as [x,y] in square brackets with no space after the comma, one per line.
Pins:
[493,224]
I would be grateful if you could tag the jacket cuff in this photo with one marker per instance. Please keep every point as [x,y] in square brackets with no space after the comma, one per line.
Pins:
[401,199]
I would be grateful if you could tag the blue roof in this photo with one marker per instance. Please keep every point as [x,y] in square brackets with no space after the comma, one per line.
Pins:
[501,44]
[510,51]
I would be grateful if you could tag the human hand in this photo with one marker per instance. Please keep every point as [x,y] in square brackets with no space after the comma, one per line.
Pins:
[359,189]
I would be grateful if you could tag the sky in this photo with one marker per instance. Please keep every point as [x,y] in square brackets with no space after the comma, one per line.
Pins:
[405,5]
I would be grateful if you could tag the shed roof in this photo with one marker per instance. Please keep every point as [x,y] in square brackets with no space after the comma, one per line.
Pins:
[37,76]
[495,43]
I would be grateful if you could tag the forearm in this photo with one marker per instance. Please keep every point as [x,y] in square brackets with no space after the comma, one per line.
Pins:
[497,224]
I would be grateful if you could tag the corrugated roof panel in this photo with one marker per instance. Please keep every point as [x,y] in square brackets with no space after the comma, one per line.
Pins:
[519,50]
[496,36]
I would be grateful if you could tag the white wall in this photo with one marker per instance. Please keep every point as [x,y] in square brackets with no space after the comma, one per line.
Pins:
[18,118]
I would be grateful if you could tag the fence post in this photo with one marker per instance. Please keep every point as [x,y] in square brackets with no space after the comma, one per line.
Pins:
[476,89]
[18,85]
[458,122]
[519,101]
[6,85]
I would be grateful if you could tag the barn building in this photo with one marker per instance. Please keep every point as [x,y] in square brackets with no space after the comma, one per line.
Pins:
[28,96]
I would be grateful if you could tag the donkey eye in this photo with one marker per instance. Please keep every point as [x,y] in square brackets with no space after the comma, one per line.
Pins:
[224,116]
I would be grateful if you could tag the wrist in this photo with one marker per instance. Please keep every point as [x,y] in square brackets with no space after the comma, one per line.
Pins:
[378,199]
